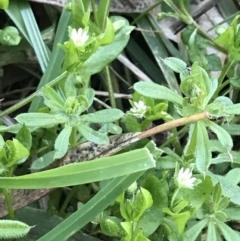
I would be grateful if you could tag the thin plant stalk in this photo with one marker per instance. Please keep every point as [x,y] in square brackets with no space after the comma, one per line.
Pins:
[110,87]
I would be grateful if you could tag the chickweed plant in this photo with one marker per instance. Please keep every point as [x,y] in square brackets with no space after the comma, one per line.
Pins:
[184,189]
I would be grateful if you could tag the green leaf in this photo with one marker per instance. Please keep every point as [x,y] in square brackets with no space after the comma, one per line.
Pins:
[132,208]
[139,236]
[234,174]
[201,193]
[93,136]
[180,218]
[38,119]
[229,39]
[24,136]
[217,193]
[222,135]
[89,94]
[200,41]
[107,115]
[62,142]
[232,109]
[193,232]
[197,87]
[233,213]
[70,85]
[212,88]
[127,226]
[163,15]
[76,105]
[211,231]
[111,128]
[177,65]
[131,123]
[4,4]
[43,223]
[109,33]
[111,226]
[11,229]
[95,63]
[200,146]
[229,189]
[9,36]
[214,62]
[13,153]
[55,64]
[232,157]
[43,161]
[157,92]
[91,209]
[235,82]
[222,205]
[158,190]
[221,216]
[228,233]
[21,153]
[194,52]
[150,220]
[53,100]
[84,172]
[102,15]
[2,142]
[34,34]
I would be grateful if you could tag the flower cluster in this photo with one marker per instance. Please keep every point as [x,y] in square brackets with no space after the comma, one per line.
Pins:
[139,109]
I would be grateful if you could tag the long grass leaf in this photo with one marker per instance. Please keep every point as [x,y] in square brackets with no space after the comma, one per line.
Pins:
[41,50]
[13,12]
[91,209]
[159,52]
[84,172]
[56,60]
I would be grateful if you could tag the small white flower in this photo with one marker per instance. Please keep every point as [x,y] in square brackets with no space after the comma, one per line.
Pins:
[185,178]
[139,109]
[79,37]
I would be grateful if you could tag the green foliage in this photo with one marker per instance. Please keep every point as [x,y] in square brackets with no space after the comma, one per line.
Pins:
[185,188]
[10,229]
[9,36]
[229,39]
[4,4]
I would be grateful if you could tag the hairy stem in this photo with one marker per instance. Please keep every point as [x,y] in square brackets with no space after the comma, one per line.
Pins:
[8,199]
[110,87]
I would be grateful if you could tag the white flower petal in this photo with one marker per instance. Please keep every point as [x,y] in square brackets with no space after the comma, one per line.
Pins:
[185,179]
[79,37]
[139,109]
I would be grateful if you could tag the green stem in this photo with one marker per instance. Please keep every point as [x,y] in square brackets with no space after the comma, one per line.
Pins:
[145,12]
[94,12]
[73,137]
[110,87]
[174,196]
[32,96]
[8,199]
[173,6]
[207,36]
[219,89]
[176,143]
[187,18]
[67,200]
[224,72]
[169,140]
